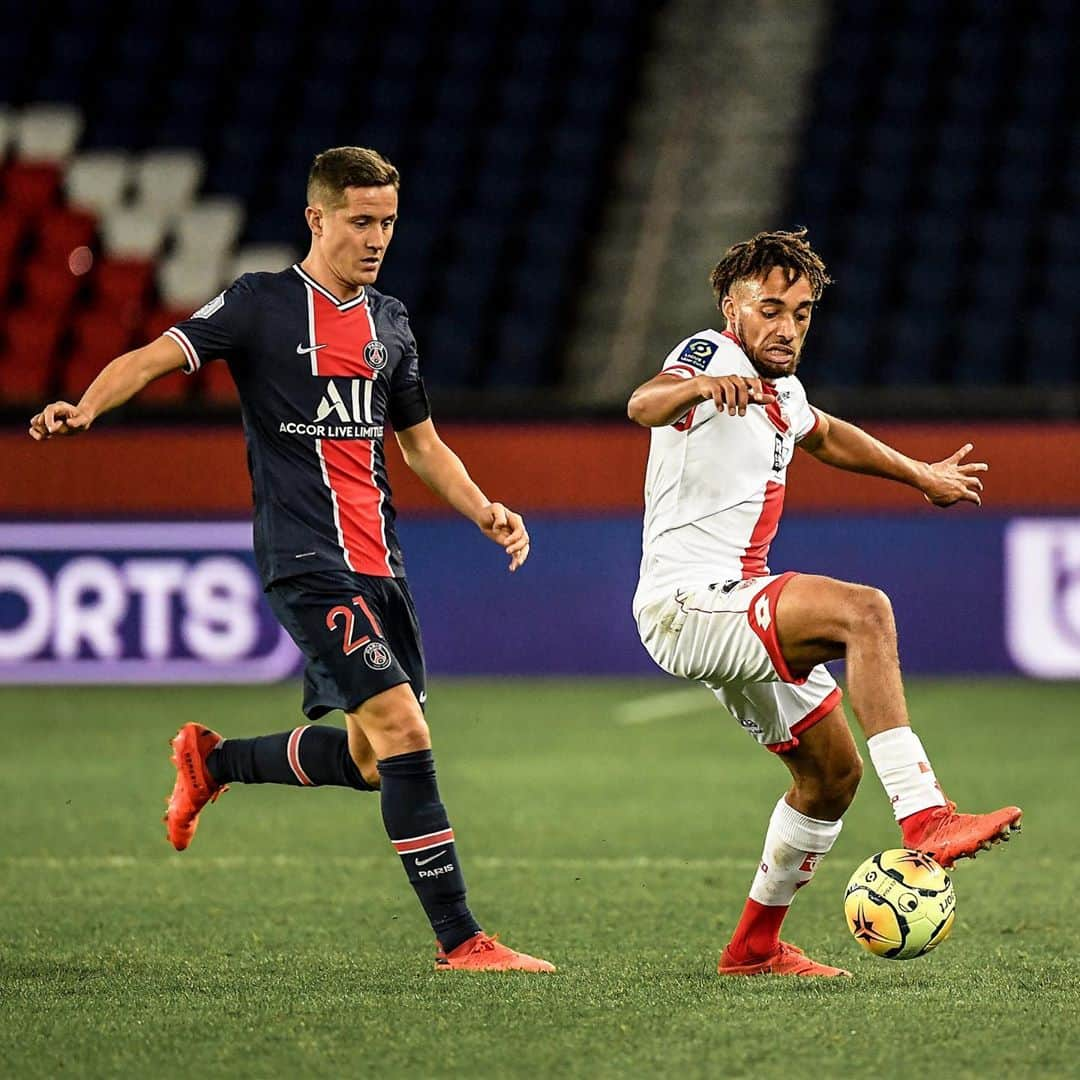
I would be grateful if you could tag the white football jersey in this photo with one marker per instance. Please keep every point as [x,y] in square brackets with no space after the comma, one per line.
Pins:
[714,484]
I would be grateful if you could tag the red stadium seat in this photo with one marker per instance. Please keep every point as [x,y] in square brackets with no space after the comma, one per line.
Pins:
[160,319]
[27,363]
[62,230]
[121,282]
[99,337]
[48,283]
[170,390]
[31,188]
[217,386]
[12,231]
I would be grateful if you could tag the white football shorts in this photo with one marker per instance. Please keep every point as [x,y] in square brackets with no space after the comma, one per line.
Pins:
[724,635]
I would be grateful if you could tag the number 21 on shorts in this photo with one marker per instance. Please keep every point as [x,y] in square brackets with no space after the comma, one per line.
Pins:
[350,643]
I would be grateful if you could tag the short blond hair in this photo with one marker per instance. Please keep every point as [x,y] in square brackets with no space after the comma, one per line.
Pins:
[343,167]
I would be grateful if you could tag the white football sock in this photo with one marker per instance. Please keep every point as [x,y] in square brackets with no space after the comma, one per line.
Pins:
[904,768]
[794,845]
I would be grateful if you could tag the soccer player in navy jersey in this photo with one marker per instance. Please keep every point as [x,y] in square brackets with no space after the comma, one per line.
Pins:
[322,363]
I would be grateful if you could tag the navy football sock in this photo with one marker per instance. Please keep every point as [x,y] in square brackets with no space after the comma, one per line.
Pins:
[311,756]
[419,829]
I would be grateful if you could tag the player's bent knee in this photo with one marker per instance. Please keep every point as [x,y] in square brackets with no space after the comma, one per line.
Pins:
[873,613]
[394,723]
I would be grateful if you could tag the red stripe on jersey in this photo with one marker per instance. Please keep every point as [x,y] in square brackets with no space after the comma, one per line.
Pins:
[351,475]
[757,551]
[350,463]
[732,337]
[342,336]
[772,410]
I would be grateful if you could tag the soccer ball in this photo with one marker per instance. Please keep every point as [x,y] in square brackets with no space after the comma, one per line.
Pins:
[900,904]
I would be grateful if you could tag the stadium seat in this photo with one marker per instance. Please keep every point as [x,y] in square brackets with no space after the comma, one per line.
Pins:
[166,180]
[254,258]
[209,227]
[30,188]
[62,230]
[27,362]
[47,132]
[98,338]
[122,283]
[188,280]
[98,181]
[134,232]
[49,284]
[7,128]
[1051,348]
[216,386]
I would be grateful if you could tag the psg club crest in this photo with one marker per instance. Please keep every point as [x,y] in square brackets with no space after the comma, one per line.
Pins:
[377,656]
[375,355]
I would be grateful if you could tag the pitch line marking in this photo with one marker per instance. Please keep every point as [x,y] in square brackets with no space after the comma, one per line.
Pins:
[358,862]
[662,706]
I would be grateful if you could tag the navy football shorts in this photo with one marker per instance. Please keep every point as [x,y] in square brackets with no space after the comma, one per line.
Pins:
[359,634]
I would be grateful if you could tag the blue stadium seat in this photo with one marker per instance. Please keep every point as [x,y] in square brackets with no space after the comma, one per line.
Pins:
[911,349]
[981,349]
[1050,347]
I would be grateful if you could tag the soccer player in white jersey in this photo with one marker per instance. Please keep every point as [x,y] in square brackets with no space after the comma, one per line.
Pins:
[726,414]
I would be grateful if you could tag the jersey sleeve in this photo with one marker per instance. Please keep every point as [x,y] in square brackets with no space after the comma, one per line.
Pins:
[219,329]
[804,419]
[408,404]
[690,357]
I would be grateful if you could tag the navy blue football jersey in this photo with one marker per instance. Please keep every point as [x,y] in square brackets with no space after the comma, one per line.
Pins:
[319,380]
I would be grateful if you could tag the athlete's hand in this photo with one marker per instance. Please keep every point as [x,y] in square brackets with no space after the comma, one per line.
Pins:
[734,392]
[953,480]
[507,529]
[59,418]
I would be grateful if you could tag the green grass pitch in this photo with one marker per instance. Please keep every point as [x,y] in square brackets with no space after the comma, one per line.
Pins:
[619,844]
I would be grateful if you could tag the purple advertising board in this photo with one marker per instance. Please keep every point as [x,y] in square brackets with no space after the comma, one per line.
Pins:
[161,602]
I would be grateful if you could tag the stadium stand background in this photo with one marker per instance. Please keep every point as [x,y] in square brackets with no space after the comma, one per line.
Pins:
[156,151]
[153,152]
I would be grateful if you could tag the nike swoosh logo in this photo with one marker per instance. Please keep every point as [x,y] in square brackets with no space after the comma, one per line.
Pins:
[430,858]
[303,350]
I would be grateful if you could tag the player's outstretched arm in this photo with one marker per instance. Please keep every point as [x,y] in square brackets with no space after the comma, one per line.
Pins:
[443,471]
[667,397]
[944,483]
[118,381]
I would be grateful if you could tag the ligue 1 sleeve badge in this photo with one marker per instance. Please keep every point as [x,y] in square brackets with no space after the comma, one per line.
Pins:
[375,355]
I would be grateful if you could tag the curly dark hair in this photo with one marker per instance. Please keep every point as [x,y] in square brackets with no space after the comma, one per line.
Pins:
[756,257]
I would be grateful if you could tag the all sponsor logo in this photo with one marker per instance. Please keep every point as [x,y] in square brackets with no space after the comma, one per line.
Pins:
[1042,596]
[344,412]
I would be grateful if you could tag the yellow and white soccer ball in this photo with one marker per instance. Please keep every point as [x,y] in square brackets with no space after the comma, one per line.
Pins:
[900,904]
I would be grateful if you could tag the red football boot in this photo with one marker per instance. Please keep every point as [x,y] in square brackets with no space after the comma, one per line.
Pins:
[194,786]
[946,836]
[483,953]
[787,960]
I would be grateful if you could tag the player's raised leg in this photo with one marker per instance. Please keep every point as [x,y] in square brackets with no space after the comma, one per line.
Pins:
[825,768]
[312,755]
[419,828]
[820,619]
